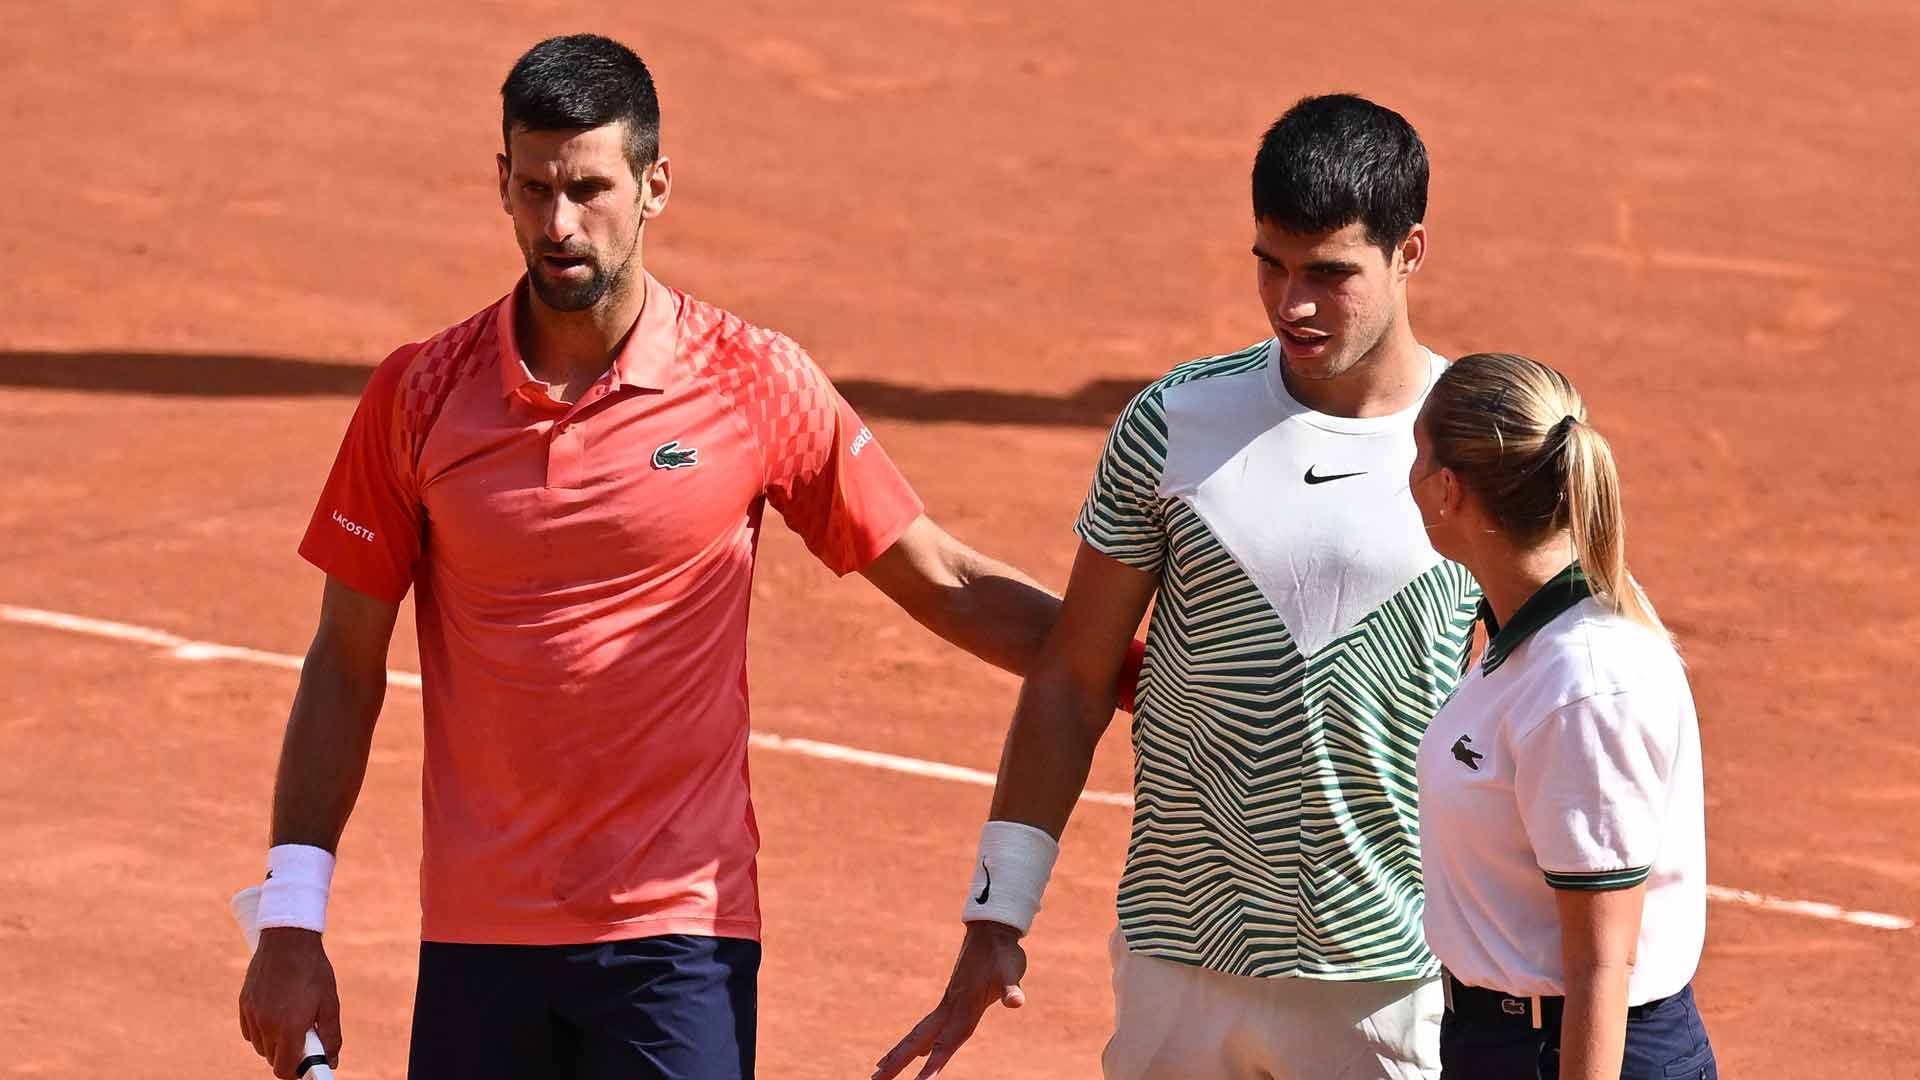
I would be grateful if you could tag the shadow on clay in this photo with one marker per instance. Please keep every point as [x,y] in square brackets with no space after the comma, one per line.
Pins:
[1094,404]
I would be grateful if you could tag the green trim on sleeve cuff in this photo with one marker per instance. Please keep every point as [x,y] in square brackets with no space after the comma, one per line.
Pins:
[1598,880]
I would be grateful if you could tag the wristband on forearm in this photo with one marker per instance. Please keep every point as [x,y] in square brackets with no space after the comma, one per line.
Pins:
[1009,874]
[299,878]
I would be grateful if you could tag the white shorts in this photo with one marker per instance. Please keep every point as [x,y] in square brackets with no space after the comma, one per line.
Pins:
[1174,1021]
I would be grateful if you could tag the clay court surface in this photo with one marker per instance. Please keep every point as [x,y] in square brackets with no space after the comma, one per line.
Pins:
[990,222]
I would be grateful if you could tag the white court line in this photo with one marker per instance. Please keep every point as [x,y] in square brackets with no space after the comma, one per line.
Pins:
[1811,908]
[913,766]
[181,648]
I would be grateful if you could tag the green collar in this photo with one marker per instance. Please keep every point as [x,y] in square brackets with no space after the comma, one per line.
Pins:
[1567,588]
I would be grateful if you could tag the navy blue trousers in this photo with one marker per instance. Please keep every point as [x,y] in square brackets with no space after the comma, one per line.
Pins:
[1664,1042]
[676,1007]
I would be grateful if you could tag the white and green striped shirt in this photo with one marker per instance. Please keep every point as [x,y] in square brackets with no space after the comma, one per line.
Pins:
[1303,636]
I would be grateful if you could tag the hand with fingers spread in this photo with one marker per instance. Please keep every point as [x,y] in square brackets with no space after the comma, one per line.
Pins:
[1065,705]
[289,989]
[989,969]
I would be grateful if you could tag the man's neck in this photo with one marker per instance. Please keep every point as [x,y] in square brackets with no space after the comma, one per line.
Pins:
[574,348]
[1389,379]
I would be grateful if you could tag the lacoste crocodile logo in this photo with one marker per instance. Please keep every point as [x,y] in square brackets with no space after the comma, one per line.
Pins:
[1464,755]
[670,456]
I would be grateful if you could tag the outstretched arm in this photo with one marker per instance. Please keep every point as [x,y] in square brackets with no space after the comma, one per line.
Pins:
[1065,706]
[982,605]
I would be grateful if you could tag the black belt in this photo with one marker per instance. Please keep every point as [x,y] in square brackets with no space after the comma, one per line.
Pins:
[1479,1005]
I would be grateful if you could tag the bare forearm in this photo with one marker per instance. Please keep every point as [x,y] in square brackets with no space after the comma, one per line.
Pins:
[323,758]
[1049,750]
[980,604]
[1593,1027]
[997,613]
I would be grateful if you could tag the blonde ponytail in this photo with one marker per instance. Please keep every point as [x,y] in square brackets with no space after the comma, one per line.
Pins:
[1516,432]
[1598,525]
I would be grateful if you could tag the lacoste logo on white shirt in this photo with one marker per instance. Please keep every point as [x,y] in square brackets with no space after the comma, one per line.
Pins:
[860,442]
[1465,754]
[353,528]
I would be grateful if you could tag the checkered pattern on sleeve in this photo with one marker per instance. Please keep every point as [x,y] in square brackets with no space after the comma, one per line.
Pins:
[368,527]
[454,355]
[803,430]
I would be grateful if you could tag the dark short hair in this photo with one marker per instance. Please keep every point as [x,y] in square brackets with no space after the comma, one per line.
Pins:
[1336,159]
[583,81]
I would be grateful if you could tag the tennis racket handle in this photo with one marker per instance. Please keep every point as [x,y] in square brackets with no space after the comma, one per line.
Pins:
[246,912]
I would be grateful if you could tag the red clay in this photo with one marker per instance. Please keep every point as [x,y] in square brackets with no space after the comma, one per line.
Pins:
[987,221]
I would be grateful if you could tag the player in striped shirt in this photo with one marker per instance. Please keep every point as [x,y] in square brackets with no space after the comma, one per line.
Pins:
[1303,635]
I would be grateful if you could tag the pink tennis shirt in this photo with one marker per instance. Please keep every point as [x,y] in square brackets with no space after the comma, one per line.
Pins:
[583,573]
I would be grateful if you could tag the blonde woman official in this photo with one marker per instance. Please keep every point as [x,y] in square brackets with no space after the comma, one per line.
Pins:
[1560,792]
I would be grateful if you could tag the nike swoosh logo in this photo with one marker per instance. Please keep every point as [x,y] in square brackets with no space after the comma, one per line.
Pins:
[988,887]
[1312,479]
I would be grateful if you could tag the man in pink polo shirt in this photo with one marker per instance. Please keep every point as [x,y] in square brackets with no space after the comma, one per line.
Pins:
[572,481]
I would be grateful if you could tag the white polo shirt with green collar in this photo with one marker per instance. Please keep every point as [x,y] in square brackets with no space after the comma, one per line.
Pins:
[1570,759]
[1303,635]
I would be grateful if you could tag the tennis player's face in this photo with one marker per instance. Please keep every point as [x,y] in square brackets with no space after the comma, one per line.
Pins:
[577,212]
[1331,297]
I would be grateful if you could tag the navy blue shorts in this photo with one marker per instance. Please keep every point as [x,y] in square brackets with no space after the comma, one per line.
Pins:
[661,1008]
[1665,1041]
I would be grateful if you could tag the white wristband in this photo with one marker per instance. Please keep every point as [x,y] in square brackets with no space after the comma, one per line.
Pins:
[1009,875]
[299,877]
